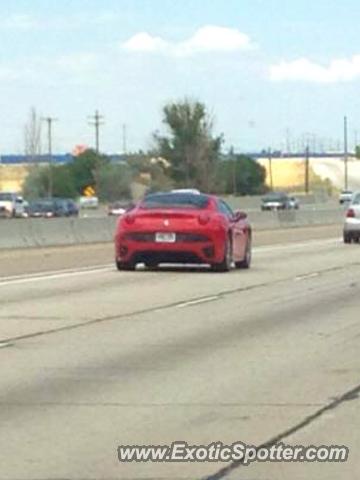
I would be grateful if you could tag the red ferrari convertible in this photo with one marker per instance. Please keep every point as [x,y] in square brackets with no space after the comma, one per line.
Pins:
[179,227]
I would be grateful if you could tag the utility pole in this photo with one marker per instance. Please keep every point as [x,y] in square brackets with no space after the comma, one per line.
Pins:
[97,121]
[307,169]
[346,173]
[270,171]
[49,121]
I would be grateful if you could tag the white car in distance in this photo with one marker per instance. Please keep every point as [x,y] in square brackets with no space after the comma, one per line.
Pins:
[12,205]
[89,202]
[345,197]
[352,220]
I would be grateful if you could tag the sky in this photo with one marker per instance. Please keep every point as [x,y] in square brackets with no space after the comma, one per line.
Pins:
[271,72]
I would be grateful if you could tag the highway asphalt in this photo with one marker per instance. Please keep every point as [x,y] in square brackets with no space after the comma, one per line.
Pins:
[92,359]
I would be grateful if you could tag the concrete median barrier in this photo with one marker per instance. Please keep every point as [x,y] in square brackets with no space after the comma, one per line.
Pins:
[93,230]
[295,218]
[24,233]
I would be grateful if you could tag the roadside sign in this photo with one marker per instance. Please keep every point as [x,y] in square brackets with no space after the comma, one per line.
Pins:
[89,191]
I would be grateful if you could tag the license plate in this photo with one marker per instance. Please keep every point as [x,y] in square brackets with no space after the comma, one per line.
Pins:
[163,237]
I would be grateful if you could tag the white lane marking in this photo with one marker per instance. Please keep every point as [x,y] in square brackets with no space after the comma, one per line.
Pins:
[191,303]
[294,246]
[5,344]
[18,280]
[59,274]
[307,277]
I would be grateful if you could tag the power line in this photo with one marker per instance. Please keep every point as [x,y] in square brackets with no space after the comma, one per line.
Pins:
[50,121]
[97,122]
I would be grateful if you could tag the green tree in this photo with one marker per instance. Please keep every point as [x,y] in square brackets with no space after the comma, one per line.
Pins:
[240,175]
[139,163]
[63,182]
[37,182]
[357,151]
[155,168]
[84,169]
[113,182]
[160,181]
[190,146]
[68,180]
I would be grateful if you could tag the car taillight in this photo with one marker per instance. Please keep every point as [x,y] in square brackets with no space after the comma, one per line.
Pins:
[204,218]
[350,213]
[130,219]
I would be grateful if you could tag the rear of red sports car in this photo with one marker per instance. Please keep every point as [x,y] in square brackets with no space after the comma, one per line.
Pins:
[172,228]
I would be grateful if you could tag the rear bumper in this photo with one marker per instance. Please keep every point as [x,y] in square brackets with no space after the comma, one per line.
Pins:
[210,251]
[352,225]
[268,208]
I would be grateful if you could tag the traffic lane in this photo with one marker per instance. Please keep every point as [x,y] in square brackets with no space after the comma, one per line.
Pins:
[37,260]
[40,304]
[335,427]
[242,368]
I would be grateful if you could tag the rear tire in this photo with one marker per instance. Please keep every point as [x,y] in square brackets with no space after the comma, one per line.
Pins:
[246,263]
[125,266]
[225,265]
[347,237]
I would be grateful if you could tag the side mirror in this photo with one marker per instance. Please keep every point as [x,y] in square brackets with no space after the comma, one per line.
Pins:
[240,215]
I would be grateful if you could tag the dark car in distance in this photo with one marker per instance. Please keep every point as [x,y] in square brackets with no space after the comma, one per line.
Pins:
[42,208]
[278,201]
[68,206]
[52,207]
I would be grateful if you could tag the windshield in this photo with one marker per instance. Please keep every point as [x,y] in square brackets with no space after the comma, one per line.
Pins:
[6,197]
[41,205]
[175,200]
[274,197]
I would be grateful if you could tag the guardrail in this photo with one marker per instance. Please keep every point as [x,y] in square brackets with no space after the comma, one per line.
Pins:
[25,233]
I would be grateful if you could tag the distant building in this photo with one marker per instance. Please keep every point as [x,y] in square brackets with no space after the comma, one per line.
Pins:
[58,159]
[24,159]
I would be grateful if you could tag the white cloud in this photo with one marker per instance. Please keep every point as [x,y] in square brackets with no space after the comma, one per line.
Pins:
[143,42]
[215,39]
[209,38]
[338,70]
